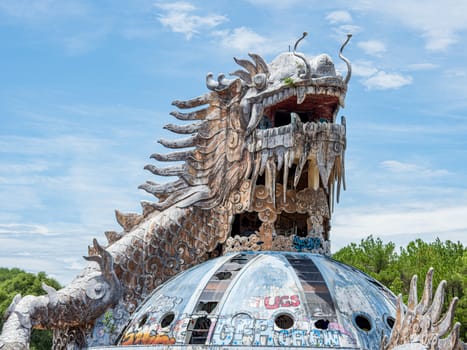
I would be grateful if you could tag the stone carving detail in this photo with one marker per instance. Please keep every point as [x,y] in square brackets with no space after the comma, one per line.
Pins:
[420,326]
[238,244]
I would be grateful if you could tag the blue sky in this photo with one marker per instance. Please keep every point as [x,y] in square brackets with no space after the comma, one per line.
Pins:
[86,87]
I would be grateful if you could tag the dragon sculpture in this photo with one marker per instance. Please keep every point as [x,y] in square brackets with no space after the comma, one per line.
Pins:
[260,169]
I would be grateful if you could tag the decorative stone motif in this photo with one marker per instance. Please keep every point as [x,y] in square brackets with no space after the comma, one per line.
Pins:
[420,326]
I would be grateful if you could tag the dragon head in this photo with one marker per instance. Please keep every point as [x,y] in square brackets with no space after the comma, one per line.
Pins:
[264,147]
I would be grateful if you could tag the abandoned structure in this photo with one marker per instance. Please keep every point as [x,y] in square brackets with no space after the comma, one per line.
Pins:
[245,230]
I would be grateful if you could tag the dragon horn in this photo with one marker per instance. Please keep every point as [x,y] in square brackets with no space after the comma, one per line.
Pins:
[347,62]
[307,74]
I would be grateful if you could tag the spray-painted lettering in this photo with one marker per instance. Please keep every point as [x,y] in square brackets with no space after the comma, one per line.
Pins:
[306,243]
[281,301]
[247,331]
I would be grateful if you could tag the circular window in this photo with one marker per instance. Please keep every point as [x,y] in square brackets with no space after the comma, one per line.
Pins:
[284,321]
[167,319]
[363,322]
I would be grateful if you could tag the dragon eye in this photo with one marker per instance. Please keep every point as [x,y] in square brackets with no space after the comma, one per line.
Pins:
[259,80]
[96,290]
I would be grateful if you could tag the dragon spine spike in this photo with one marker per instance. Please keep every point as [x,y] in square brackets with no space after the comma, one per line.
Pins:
[194,102]
[163,189]
[112,236]
[427,292]
[147,208]
[438,301]
[446,322]
[196,115]
[413,299]
[261,65]
[172,157]
[176,170]
[181,143]
[127,220]
[244,76]
[250,67]
[420,323]
[184,129]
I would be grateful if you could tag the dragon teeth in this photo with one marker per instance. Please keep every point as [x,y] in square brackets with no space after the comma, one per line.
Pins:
[301,94]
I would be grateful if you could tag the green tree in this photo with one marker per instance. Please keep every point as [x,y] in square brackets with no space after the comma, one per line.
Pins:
[371,256]
[14,281]
[394,270]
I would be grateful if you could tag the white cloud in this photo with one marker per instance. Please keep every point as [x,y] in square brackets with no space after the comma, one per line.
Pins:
[439,22]
[242,39]
[336,17]
[363,69]
[395,166]
[372,47]
[276,4]
[359,223]
[179,17]
[21,229]
[385,81]
[422,66]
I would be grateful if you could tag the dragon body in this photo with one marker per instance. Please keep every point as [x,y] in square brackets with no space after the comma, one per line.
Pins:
[258,167]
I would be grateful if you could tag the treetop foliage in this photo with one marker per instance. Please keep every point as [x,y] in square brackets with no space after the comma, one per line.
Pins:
[14,281]
[395,269]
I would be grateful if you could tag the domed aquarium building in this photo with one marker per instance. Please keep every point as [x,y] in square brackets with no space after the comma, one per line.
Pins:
[266,299]
[234,253]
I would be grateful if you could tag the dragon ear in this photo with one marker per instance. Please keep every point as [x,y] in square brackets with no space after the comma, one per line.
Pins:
[104,259]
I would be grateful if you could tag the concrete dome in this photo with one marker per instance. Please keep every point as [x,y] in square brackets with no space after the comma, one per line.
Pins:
[265,299]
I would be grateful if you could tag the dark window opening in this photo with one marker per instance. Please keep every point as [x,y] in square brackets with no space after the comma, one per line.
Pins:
[167,319]
[304,117]
[207,306]
[223,275]
[200,330]
[261,180]
[302,182]
[291,224]
[241,259]
[283,117]
[284,321]
[322,324]
[245,224]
